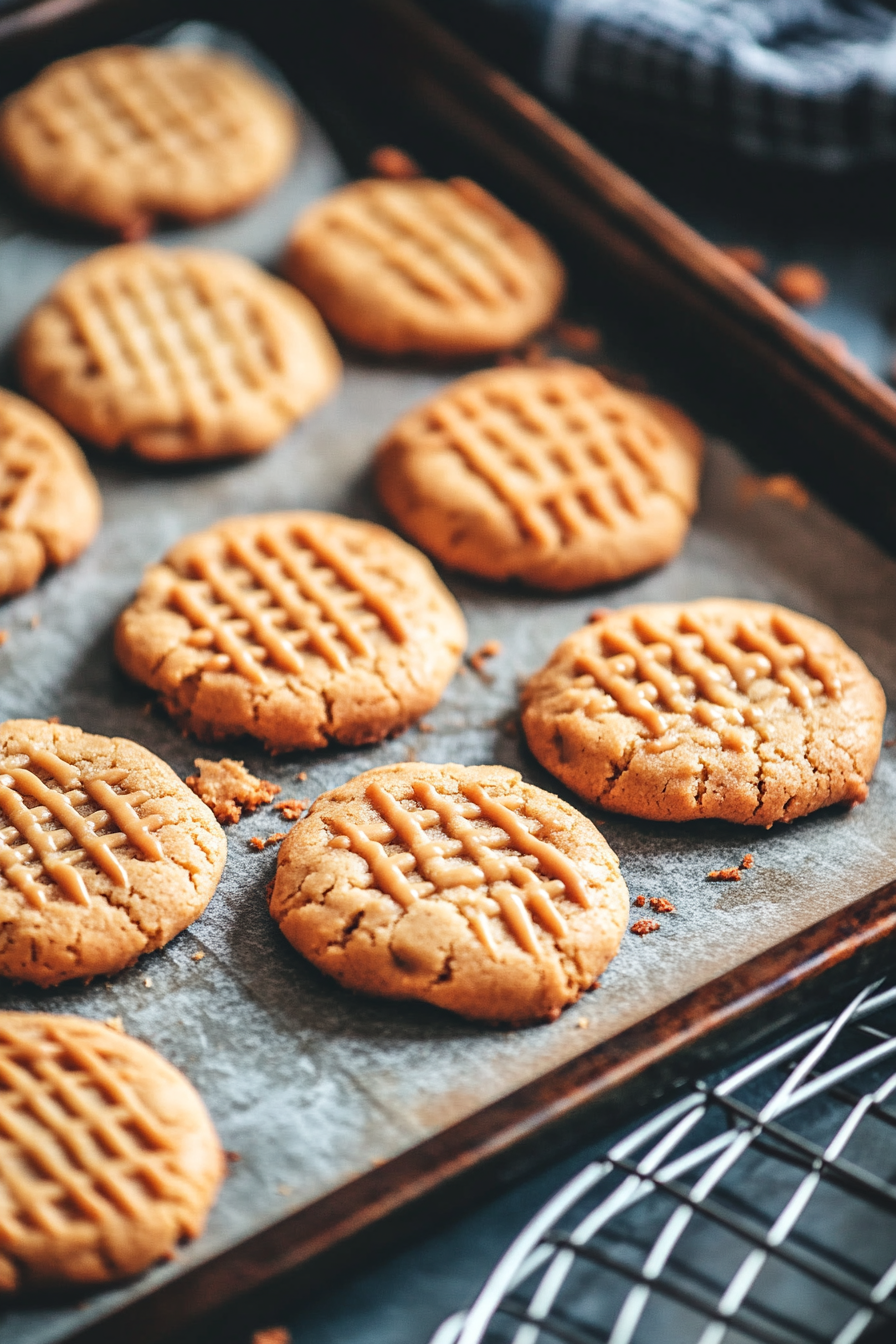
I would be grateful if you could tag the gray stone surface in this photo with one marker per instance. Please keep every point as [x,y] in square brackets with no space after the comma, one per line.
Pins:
[307,1083]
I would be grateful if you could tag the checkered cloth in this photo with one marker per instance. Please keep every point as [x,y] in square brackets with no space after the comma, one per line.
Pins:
[802,81]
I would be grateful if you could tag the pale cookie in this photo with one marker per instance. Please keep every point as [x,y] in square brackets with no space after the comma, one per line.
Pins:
[459,885]
[104,853]
[50,506]
[178,352]
[109,1156]
[298,628]
[719,708]
[551,475]
[438,268]
[123,134]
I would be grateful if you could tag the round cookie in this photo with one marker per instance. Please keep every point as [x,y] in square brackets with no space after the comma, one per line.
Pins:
[551,475]
[181,353]
[299,628]
[104,853]
[109,1156]
[50,505]
[123,134]
[459,885]
[438,268]
[720,708]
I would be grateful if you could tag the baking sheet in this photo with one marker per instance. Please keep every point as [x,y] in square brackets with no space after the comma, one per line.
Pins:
[307,1083]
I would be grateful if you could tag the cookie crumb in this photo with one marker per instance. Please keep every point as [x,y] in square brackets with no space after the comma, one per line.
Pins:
[232,1156]
[197,956]
[749,258]
[785,488]
[724,875]
[585,339]
[661,906]
[639,900]
[801,285]
[278,1334]
[599,613]
[52,718]
[257,843]
[391,162]
[490,649]
[115,1023]
[292,808]
[35,620]
[582,1023]
[644,926]
[4,636]
[227,787]
[302,776]
[424,727]
[890,742]
[147,981]
[747,861]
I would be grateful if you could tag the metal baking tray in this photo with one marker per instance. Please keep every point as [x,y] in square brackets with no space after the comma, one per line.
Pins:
[342,1109]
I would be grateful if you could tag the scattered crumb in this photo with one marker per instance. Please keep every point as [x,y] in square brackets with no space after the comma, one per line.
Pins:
[227,787]
[644,926]
[747,861]
[147,981]
[257,843]
[599,613]
[424,727]
[801,285]
[582,1023]
[392,162]
[490,649]
[115,1023]
[35,620]
[586,339]
[661,906]
[197,956]
[232,1156]
[785,488]
[4,636]
[278,1334]
[724,875]
[890,742]
[639,901]
[750,258]
[52,718]
[284,1189]
[302,776]
[292,808]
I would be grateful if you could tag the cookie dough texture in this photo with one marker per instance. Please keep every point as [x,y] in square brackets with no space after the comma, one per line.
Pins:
[110,1157]
[298,628]
[178,352]
[437,268]
[462,886]
[104,853]
[50,504]
[723,708]
[551,475]
[123,134]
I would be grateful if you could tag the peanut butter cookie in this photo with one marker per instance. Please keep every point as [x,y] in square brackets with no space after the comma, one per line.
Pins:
[550,475]
[123,134]
[438,268]
[110,1157]
[50,505]
[462,886]
[719,708]
[299,628]
[104,853]
[180,353]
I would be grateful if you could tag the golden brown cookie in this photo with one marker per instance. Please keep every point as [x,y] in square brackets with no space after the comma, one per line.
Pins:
[178,352]
[551,475]
[719,708]
[123,134]
[298,628]
[109,1156]
[459,885]
[228,788]
[439,268]
[50,505]
[104,852]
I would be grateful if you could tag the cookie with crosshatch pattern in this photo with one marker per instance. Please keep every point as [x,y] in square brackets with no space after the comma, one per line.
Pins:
[437,268]
[718,708]
[459,885]
[104,853]
[551,475]
[299,628]
[109,1156]
[121,135]
[50,505]
[180,353]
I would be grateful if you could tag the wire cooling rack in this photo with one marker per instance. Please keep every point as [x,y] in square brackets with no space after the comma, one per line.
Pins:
[760,1207]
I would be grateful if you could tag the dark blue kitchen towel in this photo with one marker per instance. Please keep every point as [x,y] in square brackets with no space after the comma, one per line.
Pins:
[802,81]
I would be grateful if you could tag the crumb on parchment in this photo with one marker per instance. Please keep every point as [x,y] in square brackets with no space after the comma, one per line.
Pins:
[639,900]
[644,926]
[115,1023]
[724,875]
[786,489]
[490,649]
[292,808]
[227,787]
[661,906]
[801,285]
[747,861]
[258,843]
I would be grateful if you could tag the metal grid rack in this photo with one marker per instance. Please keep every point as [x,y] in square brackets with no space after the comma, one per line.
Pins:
[760,1207]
